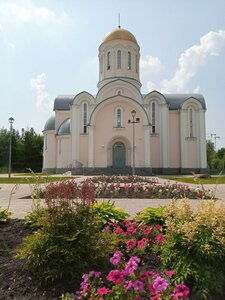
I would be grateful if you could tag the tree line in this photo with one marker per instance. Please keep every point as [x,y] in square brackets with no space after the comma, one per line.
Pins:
[27,149]
[215,159]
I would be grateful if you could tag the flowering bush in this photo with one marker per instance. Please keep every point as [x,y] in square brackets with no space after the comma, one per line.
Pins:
[128,281]
[195,246]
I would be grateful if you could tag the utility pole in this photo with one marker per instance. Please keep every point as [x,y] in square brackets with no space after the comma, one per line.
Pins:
[215,137]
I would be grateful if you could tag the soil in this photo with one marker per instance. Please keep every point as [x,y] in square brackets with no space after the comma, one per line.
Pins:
[15,281]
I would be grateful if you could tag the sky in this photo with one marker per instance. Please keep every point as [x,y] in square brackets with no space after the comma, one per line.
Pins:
[50,48]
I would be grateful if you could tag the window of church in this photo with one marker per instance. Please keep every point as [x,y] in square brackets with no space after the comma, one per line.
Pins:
[191,125]
[129,60]
[119,117]
[108,60]
[118,59]
[136,63]
[101,64]
[46,141]
[85,117]
[153,118]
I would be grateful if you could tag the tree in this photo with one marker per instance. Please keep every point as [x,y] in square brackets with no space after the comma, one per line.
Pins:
[211,153]
[26,150]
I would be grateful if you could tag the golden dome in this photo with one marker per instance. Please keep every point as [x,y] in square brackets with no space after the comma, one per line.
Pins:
[119,34]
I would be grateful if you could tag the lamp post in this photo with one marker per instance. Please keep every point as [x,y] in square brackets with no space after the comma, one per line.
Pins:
[133,121]
[11,120]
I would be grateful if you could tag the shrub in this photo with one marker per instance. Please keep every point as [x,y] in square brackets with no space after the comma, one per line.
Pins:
[107,212]
[152,216]
[195,246]
[69,244]
[35,218]
[4,215]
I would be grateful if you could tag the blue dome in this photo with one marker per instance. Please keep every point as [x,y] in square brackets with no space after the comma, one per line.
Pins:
[64,128]
[50,124]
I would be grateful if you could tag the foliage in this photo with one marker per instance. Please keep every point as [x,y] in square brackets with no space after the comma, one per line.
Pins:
[123,179]
[107,212]
[68,244]
[131,276]
[210,152]
[26,150]
[69,231]
[5,214]
[200,181]
[152,216]
[195,246]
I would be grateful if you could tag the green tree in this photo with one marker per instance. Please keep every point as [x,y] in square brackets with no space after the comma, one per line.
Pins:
[211,153]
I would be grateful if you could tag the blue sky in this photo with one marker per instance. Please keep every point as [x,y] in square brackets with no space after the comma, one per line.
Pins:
[48,48]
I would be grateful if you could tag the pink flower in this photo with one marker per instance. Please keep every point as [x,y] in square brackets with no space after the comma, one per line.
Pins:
[116,276]
[160,284]
[155,297]
[131,244]
[127,223]
[160,238]
[144,275]
[131,229]
[128,285]
[182,289]
[147,230]
[96,274]
[169,273]
[116,258]
[132,264]
[142,242]
[157,226]
[138,285]
[118,230]
[103,291]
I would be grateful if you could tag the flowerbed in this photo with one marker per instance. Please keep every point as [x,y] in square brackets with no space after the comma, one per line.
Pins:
[143,187]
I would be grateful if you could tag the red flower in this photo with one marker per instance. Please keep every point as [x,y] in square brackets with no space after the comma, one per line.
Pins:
[131,244]
[103,291]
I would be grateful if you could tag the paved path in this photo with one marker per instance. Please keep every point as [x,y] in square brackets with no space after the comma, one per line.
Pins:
[21,204]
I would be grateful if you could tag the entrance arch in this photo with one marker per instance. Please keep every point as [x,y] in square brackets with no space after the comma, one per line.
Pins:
[119,155]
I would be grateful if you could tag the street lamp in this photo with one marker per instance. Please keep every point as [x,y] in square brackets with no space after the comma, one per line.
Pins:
[133,121]
[11,120]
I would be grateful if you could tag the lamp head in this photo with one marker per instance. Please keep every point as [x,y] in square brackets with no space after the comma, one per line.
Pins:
[133,113]
[11,120]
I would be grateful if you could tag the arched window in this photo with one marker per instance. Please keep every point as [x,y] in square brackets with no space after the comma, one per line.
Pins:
[101,64]
[191,122]
[118,59]
[85,117]
[108,60]
[129,60]
[119,117]
[136,63]
[153,117]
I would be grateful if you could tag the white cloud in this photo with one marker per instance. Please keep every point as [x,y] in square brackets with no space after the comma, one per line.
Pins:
[11,45]
[42,99]
[151,86]
[192,59]
[29,13]
[1,28]
[151,64]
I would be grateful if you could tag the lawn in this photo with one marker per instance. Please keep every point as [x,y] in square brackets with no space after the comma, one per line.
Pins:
[212,180]
[31,180]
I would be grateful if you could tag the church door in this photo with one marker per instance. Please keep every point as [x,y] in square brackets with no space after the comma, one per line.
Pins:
[118,155]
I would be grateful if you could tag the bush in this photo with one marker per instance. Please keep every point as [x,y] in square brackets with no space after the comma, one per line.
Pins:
[69,244]
[107,212]
[4,215]
[152,216]
[195,246]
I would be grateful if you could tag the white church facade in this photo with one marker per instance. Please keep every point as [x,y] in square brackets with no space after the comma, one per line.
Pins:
[120,130]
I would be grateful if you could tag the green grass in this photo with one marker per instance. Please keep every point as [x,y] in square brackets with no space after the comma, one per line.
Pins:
[213,180]
[31,180]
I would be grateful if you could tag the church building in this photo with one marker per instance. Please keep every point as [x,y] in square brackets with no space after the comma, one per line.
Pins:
[120,130]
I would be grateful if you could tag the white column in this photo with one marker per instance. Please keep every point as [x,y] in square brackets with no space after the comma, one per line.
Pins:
[202,140]
[164,136]
[91,146]
[147,146]
[183,134]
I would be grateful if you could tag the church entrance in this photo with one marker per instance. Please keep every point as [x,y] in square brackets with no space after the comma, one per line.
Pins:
[119,160]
